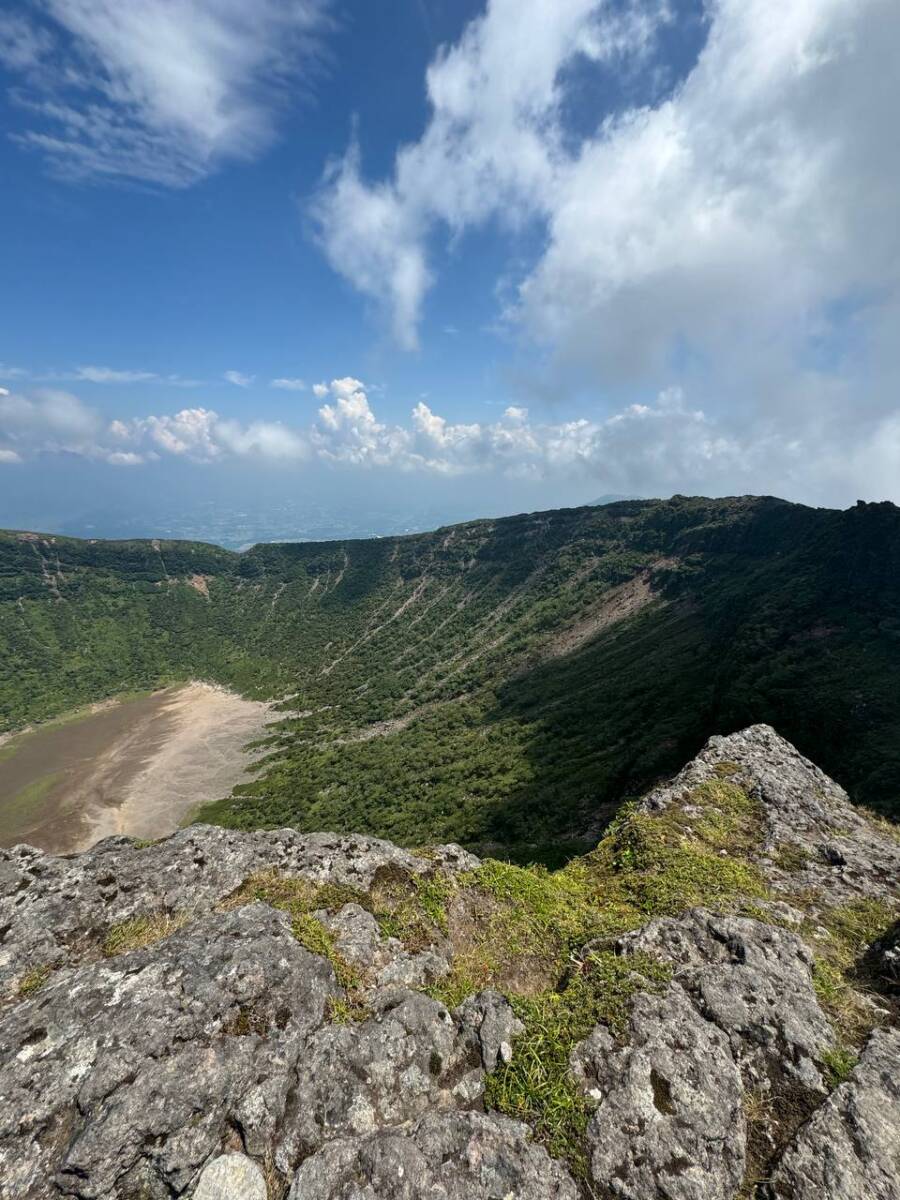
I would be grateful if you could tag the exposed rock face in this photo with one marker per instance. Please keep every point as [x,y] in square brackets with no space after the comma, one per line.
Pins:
[669,1104]
[123,1075]
[838,850]
[411,1057]
[455,1156]
[49,906]
[850,1149]
[754,982]
[227,1062]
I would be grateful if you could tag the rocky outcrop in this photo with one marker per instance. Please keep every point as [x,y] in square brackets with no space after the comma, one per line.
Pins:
[458,1156]
[814,839]
[52,908]
[753,982]
[252,1052]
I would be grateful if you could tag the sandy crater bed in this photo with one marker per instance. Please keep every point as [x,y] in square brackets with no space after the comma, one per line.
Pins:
[139,767]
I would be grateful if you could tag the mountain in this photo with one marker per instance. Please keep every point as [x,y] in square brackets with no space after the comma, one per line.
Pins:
[499,681]
[702,1008]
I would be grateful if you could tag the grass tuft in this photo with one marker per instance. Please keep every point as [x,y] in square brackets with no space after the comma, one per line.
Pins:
[839,1063]
[32,981]
[536,1087]
[139,932]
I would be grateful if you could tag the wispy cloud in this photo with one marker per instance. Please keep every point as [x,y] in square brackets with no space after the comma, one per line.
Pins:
[111,375]
[99,375]
[238,378]
[157,91]
[288,385]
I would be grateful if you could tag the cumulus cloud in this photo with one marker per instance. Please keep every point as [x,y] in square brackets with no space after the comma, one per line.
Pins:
[758,191]
[156,91]
[664,445]
[735,233]
[493,149]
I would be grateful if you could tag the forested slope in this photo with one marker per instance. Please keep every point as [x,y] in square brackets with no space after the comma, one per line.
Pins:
[498,680]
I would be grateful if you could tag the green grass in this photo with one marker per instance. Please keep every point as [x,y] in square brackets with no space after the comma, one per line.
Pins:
[837,976]
[139,932]
[536,1086]
[839,1063]
[32,981]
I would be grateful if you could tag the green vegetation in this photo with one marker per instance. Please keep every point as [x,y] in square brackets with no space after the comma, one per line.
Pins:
[536,1087]
[838,1065]
[481,683]
[140,932]
[837,972]
[32,981]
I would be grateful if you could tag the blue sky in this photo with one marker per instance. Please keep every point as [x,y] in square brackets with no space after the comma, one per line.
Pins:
[446,257]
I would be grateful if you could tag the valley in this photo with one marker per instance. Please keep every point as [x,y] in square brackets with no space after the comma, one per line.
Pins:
[494,683]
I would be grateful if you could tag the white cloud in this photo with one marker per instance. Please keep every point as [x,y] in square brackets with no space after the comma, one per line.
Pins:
[48,420]
[320,390]
[157,90]
[111,375]
[288,385]
[202,435]
[494,147]
[238,378]
[664,445]
[737,235]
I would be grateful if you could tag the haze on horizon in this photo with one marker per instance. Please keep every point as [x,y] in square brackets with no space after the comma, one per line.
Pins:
[332,268]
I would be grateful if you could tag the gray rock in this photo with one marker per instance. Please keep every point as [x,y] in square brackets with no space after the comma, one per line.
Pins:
[754,981]
[447,1156]
[848,855]
[669,1120]
[850,1148]
[385,961]
[231,1177]
[122,1077]
[411,1057]
[882,961]
[52,908]
[490,1016]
